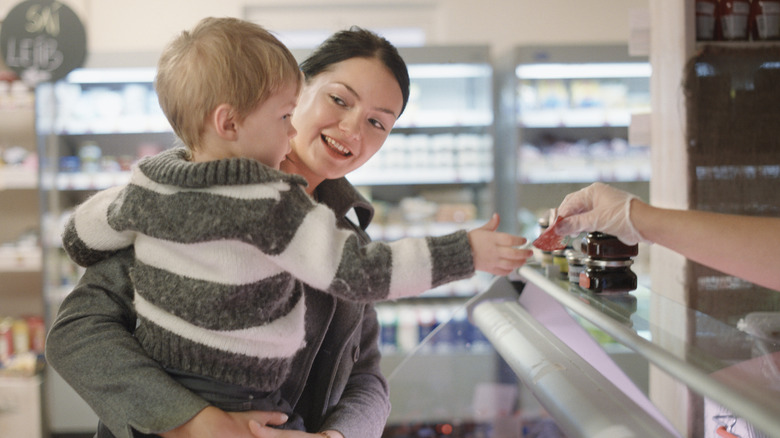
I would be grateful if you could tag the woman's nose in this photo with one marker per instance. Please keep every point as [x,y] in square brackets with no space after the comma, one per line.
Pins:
[350,125]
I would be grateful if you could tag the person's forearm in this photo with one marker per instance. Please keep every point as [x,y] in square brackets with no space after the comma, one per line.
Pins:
[743,246]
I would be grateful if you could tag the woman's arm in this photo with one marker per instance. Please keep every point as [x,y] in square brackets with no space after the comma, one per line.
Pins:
[92,347]
[744,246]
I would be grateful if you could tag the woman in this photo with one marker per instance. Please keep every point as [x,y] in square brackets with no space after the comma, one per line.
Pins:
[356,87]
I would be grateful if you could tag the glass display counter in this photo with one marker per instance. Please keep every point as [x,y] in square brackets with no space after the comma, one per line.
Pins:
[552,355]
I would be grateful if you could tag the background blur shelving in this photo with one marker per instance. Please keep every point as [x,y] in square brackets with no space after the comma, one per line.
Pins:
[21,300]
[563,118]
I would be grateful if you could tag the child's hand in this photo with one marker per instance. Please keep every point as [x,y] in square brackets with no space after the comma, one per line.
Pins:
[496,252]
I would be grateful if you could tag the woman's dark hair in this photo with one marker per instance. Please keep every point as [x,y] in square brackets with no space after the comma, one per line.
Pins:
[358,43]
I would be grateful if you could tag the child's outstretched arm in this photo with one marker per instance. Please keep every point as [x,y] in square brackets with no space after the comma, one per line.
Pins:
[496,252]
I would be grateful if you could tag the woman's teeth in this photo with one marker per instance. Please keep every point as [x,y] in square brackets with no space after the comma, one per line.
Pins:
[335,145]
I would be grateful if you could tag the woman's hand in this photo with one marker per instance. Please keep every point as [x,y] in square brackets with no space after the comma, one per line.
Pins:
[212,422]
[599,207]
[260,431]
[495,252]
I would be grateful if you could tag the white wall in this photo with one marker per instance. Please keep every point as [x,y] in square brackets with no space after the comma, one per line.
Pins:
[147,25]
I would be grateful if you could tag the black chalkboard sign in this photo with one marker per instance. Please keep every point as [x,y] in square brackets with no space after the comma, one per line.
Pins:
[42,41]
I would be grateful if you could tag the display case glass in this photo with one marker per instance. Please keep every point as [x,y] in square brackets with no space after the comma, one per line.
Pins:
[544,352]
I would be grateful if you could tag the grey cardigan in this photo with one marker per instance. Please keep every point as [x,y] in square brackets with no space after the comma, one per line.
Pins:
[335,382]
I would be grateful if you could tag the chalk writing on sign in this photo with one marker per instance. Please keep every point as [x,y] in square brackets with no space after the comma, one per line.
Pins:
[42,41]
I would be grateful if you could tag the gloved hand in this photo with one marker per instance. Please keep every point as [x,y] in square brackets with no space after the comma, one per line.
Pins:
[599,207]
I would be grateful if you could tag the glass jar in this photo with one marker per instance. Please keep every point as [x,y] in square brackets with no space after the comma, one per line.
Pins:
[764,21]
[732,20]
[559,260]
[705,19]
[576,263]
[606,246]
[608,276]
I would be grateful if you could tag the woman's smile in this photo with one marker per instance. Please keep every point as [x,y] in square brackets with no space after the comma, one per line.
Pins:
[335,146]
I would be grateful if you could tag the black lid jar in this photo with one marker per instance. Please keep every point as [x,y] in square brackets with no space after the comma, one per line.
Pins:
[608,275]
[606,246]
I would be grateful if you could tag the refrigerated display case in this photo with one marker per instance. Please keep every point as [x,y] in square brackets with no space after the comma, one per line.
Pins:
[563,118]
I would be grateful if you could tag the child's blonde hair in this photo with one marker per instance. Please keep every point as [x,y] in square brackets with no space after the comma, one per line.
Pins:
[220,61]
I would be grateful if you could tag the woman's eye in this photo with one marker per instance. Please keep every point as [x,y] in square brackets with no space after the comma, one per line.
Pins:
[377,124]
[338,100]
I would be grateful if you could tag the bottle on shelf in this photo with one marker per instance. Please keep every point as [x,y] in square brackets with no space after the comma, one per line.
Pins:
[764,21]
[732,20]
[705,19]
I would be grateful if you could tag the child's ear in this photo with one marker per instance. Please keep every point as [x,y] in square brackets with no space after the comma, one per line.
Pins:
[225,123]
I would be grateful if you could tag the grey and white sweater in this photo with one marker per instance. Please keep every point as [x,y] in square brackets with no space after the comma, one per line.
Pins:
[218,249]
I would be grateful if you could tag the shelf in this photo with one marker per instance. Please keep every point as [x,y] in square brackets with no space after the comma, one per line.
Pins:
[84,181]
[153,127]
[715,361]
[12,178]
[574,118]
[20,260]
[368,176]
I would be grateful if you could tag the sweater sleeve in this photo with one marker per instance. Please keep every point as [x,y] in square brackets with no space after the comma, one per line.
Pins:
[333,260]
[88,237]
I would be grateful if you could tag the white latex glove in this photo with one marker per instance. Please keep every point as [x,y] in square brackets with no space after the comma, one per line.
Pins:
[599,207]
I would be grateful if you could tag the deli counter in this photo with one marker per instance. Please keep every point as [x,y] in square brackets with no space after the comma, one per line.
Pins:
[564,361]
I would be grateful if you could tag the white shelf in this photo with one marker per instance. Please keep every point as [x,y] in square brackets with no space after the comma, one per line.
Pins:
[15,259]
[368,176]
[18,178]
[575,118]
[84,181]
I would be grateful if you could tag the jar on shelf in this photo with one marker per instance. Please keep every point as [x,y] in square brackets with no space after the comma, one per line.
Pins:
[764,20]
[576,265]
[608,275]
[732,20]
[705,19]
[560,261]
[605,246]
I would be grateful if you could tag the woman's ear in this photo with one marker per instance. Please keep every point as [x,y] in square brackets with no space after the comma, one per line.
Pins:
[224,122]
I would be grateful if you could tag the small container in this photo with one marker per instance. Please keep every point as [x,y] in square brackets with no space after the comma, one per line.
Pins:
[705,19]
[764,21]
[608,276]
[559,260]
[576,263]
[732,20]
[606,246]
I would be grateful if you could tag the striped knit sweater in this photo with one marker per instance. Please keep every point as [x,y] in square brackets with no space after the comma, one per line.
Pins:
[220,247]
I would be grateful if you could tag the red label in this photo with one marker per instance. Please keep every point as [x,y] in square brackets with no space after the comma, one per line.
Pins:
[584,280]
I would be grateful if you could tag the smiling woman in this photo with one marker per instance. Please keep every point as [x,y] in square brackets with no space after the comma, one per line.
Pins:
[356,104]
